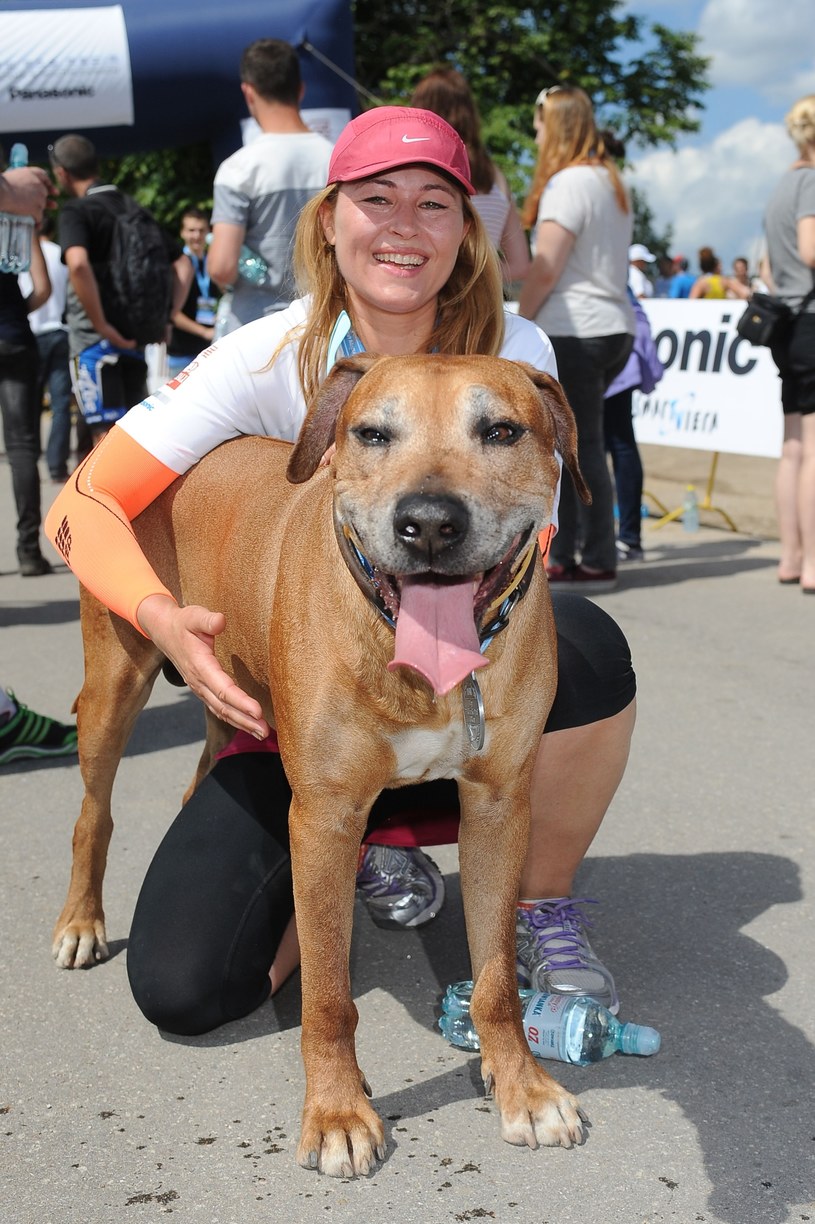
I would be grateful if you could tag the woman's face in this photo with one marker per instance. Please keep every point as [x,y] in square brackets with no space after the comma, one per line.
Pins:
[396,237]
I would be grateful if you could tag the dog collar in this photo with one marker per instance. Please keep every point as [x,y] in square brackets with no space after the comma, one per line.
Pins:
[495,618]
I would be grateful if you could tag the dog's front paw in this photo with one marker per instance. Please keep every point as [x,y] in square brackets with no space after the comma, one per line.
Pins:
[342,1142]
[79,944]
[535,1110]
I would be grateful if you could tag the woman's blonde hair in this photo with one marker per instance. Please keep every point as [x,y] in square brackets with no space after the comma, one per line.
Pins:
[470,316]
[570,138]
[800,121]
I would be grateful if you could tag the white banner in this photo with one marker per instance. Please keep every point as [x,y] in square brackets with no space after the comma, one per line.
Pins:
[719,393]
[64,69]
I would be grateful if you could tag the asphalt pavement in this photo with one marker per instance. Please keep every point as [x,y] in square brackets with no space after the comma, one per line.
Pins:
[705,870]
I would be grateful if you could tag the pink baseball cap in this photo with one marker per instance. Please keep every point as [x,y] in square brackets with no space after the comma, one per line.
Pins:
[392,136]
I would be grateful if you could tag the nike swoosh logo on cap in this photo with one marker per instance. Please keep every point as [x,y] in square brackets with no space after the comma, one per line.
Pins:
[413,139]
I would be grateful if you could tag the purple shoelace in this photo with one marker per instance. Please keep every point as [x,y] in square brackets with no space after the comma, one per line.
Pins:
[561,922]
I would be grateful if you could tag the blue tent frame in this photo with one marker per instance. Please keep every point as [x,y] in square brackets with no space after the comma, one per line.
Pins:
[184,58]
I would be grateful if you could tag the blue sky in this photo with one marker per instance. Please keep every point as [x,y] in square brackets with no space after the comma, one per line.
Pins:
[714,186]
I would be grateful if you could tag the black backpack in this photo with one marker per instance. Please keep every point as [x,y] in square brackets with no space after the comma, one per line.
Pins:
[137,285]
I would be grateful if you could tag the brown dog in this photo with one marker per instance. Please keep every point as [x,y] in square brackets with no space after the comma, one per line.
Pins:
[427,515]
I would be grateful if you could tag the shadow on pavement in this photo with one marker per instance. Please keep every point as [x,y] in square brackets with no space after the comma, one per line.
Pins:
[49,612]
[673,933]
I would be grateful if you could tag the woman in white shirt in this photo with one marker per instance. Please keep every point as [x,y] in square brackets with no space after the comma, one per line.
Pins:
[576,292]
[393,260]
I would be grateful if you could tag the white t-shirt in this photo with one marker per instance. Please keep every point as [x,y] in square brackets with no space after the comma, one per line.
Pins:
[49,316]
[493,209]
[230,389]
[590,297]
[639,283]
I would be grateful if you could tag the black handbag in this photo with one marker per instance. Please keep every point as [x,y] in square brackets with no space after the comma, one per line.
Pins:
[767,318]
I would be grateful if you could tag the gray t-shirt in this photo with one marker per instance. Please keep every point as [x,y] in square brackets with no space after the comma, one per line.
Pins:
[590,298]
[793,198]
[263,187]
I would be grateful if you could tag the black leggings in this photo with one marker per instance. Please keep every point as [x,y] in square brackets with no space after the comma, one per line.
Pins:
[217,896]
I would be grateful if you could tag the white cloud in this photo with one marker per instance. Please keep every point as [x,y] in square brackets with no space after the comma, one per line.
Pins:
[715,194]
[768,46]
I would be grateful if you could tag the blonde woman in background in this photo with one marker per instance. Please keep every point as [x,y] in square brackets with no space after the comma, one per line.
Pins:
[445,92]
[789,271]
[576,292]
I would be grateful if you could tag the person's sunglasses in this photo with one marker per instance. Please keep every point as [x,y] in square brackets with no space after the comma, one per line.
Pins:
[544,93]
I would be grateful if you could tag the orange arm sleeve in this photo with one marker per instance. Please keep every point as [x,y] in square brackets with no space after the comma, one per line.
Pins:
[89,523]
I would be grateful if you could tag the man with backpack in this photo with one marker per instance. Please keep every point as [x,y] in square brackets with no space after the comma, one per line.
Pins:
[121,285]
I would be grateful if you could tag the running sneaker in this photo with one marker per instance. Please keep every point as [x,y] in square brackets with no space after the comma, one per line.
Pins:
[402,887]
[554,954]
[26,735]
[629,552]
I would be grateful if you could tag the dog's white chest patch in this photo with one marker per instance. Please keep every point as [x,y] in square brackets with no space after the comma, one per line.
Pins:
[422,753]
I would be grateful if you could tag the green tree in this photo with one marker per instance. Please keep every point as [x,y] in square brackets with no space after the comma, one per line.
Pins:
[644,226]
[647,81]
[166,181]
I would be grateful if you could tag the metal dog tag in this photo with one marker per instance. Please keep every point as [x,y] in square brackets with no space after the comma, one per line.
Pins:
[473,705]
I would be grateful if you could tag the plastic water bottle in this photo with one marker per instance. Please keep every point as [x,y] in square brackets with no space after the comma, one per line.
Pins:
[16,232]
[574,1029]
[222,313]
[690,510]
[253,268]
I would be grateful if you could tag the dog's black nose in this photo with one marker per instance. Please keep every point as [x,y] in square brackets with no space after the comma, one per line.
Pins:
[429,523]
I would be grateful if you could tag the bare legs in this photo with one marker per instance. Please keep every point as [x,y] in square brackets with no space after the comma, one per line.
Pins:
[576,776]
[795,499]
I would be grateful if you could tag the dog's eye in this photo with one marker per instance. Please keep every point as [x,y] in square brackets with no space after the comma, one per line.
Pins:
[501,433]
[370,436]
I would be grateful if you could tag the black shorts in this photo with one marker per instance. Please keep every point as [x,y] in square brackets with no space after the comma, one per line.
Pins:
[795,358]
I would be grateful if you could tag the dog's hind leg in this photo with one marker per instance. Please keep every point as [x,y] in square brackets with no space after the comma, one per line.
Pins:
[218,736]
[120,667]
[534,1108]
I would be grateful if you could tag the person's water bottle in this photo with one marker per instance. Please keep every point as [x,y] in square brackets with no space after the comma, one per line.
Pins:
[222,313]
[690,510]
[574,1029]
[16,232]
[253,268]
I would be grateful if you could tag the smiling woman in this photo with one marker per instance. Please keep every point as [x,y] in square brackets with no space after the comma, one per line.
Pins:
[390,257]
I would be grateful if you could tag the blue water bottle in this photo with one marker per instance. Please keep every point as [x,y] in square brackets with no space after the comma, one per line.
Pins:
[16,232]
[574,1029]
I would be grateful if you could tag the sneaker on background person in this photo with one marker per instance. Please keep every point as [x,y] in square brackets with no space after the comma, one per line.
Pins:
[629,552]
[25,735]
[554,954]
[578,578]
[401,886]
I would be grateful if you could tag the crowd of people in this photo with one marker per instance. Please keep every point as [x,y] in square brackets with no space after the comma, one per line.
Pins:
[405,238]
[669,276]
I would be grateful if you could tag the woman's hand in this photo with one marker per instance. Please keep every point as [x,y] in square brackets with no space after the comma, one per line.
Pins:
[187,637]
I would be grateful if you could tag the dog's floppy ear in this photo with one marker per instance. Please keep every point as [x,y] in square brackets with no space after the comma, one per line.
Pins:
[553,399]
[319,427]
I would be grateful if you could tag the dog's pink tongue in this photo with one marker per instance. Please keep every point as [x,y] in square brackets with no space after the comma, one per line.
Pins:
[435,632]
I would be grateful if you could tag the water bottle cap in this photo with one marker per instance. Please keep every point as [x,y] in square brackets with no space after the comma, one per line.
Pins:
[18,157]
[640,1039]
